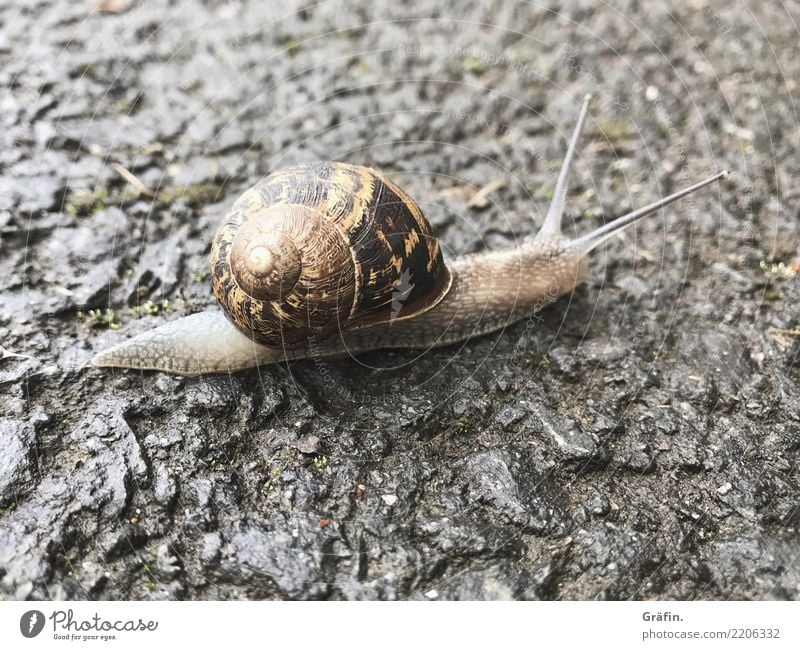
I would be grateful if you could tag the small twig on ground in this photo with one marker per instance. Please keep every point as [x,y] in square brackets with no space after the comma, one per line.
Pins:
[133,180]
[481,198]
[782,330]
[781,336]
[113,6]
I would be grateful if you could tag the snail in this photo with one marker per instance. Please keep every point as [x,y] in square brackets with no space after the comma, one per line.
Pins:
[330,259]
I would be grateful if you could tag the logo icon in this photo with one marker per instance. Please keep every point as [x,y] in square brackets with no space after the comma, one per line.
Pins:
[31,623]
[403,287]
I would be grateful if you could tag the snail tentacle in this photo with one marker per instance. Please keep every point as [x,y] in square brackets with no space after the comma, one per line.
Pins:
[589,242]
[552,223]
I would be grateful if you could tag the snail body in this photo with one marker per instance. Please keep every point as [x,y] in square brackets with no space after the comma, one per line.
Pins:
[330,259]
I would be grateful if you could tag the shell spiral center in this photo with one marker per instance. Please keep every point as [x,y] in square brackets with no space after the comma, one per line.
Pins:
[266,265]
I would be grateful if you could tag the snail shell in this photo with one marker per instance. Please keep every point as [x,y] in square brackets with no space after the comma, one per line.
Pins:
[323,247]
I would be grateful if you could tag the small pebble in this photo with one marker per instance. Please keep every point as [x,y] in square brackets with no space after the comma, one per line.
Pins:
[308,445]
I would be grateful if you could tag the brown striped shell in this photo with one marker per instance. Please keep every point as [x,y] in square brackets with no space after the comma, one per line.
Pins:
[323,247]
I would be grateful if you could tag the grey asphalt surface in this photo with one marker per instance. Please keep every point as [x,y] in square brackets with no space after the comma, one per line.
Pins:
[637,440]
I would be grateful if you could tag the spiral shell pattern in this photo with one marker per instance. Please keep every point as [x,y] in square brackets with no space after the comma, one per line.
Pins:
[318,248]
